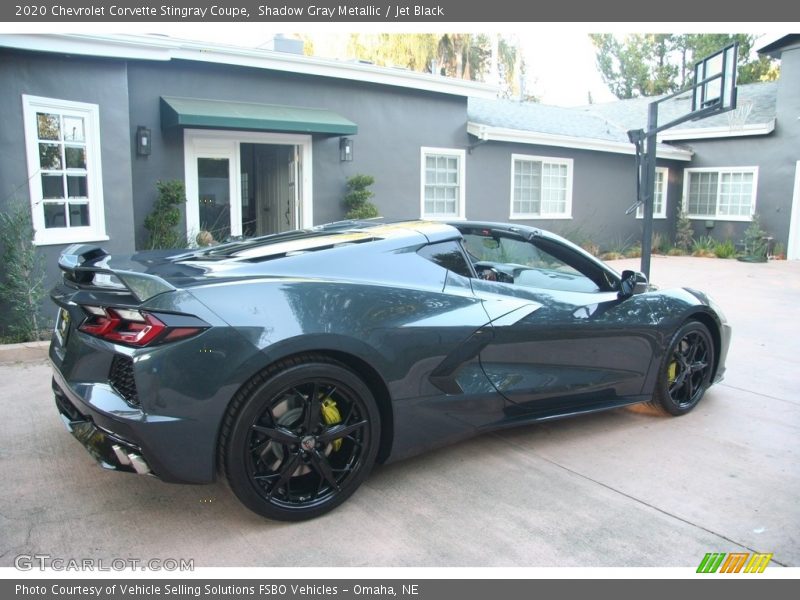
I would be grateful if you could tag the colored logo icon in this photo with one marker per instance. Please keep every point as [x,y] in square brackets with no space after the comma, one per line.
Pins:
[734,562]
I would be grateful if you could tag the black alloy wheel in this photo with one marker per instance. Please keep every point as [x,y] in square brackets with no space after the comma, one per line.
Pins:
[300,439]
[686,370]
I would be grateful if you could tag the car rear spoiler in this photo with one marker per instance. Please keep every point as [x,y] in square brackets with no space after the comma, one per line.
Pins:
[86,266]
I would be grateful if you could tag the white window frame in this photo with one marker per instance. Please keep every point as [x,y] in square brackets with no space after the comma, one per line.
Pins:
[662,214]
[553,160]
[461,155]
[720,170]
[96,231]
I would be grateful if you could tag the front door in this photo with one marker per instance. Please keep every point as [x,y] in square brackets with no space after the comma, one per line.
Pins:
[212,190]
[245,184]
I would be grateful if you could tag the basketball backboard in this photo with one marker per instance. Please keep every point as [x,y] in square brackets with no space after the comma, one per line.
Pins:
[715,82]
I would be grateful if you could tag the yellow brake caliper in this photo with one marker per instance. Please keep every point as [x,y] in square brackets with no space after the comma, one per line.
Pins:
[672,371]
[331,416]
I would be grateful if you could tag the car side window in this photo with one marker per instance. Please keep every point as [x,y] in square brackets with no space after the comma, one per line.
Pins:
[448,255]
[522,262]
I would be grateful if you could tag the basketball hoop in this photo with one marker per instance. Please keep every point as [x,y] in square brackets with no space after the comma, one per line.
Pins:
[738,116]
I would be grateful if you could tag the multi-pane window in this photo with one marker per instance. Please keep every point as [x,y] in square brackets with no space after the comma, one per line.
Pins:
[540,187]
[721,193]
[63,166]
[442,183]
[660,198]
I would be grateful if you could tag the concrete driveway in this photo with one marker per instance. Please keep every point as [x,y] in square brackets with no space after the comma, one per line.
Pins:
[623,488]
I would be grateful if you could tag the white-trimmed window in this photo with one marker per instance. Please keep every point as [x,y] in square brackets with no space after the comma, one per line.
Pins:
[62,139]
[660,198]
[442,194]
[727,194]
[541,187]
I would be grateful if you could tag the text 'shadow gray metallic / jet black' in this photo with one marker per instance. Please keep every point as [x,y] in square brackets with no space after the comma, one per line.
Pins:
[291,363]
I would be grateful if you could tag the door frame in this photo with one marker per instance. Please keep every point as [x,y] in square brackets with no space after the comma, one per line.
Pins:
[222,143]
[793,247]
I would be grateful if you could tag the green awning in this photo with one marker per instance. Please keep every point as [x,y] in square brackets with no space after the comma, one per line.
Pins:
[222,114]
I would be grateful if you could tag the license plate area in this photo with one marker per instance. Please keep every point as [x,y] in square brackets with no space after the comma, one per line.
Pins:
[63,321]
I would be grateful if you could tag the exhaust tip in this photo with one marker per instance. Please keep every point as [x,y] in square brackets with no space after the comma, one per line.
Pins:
[139,464]
[121,454]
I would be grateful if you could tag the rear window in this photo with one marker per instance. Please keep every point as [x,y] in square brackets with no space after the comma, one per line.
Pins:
[448,255]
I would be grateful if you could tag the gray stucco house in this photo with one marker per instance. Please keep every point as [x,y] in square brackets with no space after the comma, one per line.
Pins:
[264,141]
[720,170]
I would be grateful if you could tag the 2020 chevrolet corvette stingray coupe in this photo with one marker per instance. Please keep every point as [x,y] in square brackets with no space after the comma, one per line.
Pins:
[291,363]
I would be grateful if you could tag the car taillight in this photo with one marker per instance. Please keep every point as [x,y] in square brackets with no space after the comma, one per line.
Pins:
[131,327]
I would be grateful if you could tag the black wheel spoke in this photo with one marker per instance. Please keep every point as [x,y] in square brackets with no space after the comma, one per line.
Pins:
[287,470]
[339,431]
[259,447]
[278,434]
[323,467]
[312,409]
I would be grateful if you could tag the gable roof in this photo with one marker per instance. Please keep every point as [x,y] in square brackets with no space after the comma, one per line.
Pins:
[165,48]
[760,120]
[541,124]
[604,127]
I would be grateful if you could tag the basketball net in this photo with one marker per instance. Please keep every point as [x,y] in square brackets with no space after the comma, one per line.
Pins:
[738,116]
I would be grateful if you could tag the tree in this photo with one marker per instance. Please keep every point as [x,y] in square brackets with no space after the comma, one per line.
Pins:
[653,64]
[637,66]
[459,55]
[695,46]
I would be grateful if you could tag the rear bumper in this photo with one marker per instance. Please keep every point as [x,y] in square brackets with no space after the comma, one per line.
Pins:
[110,450]
[128,440]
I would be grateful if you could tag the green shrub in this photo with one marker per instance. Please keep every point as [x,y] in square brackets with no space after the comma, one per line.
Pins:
[166,216]
[357,199]
[619,245]
[704,246]
[591,248]
[659,243]
[755,246]
[22,287]
[725,249]
[684,233]
[634,251]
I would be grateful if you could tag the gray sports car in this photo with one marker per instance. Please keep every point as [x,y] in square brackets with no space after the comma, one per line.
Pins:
[291,363]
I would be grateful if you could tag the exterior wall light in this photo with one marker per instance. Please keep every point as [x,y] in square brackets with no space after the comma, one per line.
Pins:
[345,149]
[143,141]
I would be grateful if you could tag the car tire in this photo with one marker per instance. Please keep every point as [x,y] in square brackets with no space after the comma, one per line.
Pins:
[299,438]
[685,372]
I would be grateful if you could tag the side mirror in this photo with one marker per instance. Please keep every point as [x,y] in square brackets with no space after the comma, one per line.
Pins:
[632,282]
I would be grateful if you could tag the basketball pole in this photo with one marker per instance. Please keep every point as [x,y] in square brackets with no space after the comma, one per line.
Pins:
[648,186]
[701,109]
